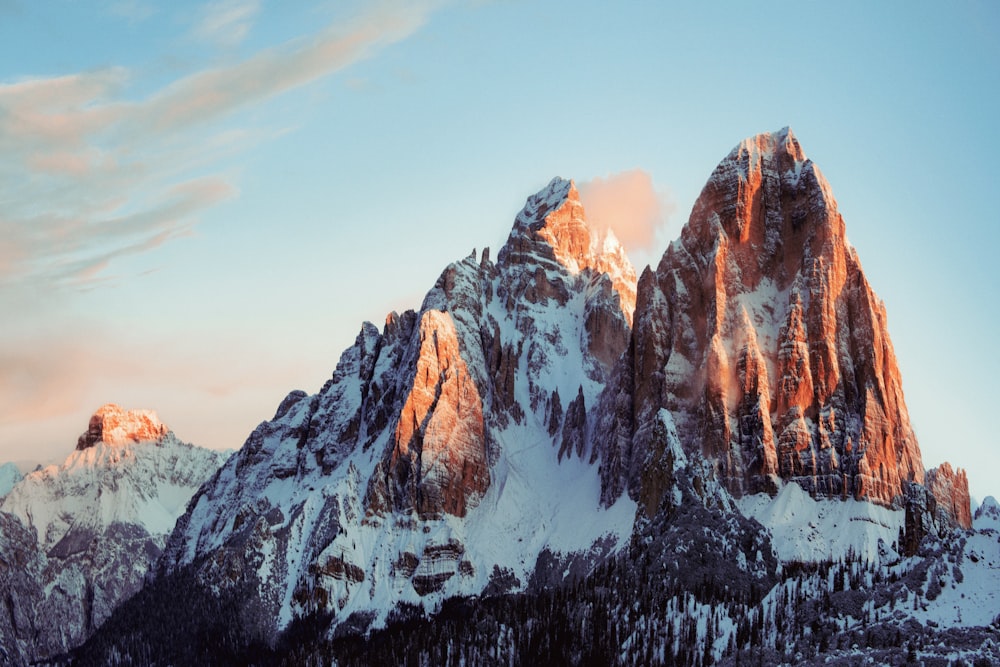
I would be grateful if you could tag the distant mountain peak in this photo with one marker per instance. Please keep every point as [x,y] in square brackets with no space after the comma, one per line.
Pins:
[113,425]
[988,514]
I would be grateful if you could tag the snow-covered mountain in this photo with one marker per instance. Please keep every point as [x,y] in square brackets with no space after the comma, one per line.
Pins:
[987,515]
[714,462]
[99,521]
[447,452]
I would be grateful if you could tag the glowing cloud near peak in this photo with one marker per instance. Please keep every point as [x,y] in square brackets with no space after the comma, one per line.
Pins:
[629,205]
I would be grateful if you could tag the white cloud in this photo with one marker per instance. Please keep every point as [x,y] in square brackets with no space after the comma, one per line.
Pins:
[226,22]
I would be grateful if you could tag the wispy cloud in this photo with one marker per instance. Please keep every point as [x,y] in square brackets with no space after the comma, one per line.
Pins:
[132,10]
[629,205]
[226,22]
[89,175]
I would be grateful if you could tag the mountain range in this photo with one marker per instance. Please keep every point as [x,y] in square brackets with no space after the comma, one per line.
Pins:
[550,460]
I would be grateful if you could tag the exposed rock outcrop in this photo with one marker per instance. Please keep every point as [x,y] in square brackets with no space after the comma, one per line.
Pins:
[114,426]
[951,489]
[21,582]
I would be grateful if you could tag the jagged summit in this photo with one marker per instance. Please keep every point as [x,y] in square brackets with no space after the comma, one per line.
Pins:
[759,332]
[113,425]
[772,207]
[400,479]
[552,233]
[782,143]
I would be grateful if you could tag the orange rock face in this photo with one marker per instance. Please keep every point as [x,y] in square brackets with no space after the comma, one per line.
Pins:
[761,334]
[951,490]
[115,426]
[438,463]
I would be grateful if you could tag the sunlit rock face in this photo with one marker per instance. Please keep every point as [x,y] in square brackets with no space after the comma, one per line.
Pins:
[438,462]
[760,333]
[98,522]
[455,420]
[112,425]
[552,233]
[951,489]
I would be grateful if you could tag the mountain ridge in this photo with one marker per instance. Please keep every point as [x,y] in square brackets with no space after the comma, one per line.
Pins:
[546,432]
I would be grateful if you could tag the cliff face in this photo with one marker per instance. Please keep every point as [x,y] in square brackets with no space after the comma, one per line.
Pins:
[760,333]
[951,490]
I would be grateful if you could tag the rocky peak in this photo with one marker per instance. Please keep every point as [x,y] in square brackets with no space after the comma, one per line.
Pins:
[770,207]
[113,425]
[951,490]
[761,335]
[552,232]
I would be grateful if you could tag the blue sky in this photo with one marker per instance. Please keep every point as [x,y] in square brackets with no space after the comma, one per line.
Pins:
[202,201]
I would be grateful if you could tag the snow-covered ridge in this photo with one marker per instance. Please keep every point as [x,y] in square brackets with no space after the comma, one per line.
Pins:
[805,529]
[133,483]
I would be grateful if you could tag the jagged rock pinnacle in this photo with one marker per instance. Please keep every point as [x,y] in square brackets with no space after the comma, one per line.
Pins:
[552,230]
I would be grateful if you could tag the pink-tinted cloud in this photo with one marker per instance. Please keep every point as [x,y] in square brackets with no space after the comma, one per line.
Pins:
[75,250]
[204,96]
[50,383]
[629,205]
[89,175]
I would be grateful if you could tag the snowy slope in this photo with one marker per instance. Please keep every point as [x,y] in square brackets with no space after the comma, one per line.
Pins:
[141,484]
[806,529]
